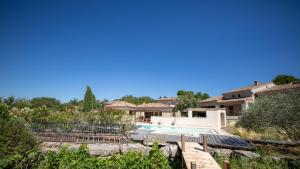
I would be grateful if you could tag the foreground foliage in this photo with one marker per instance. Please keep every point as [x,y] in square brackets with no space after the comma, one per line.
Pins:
[81,159]
[17,144]
[259,163]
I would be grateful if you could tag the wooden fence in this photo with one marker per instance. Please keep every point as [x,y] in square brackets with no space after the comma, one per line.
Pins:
[79,132]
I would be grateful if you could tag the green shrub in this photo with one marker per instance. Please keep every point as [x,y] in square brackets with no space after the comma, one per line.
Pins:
[279,111]
[81,159]
[260,163]
[17,144]
[157,158]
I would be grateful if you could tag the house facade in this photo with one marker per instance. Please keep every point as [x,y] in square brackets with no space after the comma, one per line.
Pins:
[197,118]
[215,112]
[237,100]
[144,111]
[120,105]
[171,101]
[291,87]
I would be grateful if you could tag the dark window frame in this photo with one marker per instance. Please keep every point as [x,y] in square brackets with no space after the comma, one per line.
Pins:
[184,114]
[199,114]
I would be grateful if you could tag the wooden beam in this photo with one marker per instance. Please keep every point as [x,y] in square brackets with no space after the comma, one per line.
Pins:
[226,165]
[205,148]
[193,165]
[182,143]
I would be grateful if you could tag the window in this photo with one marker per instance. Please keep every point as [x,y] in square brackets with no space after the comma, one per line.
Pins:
[239,95]
[199,114]
[184,114]
[233,96]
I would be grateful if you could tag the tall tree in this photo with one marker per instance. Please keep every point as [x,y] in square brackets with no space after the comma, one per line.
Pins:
[89,100]
[95,103]
[284,79]
[188,99]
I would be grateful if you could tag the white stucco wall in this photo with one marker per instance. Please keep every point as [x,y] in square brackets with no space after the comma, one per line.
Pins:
[212,119]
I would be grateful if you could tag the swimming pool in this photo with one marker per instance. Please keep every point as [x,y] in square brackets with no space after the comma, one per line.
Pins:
[176,130]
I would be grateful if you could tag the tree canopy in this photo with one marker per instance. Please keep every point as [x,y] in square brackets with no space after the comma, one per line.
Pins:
[45,101]
[188,99]
[137,100]
[284,79]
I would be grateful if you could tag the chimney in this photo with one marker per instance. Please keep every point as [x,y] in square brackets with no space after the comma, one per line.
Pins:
[256,83]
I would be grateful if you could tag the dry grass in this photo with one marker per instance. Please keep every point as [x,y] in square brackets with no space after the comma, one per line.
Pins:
[268,134]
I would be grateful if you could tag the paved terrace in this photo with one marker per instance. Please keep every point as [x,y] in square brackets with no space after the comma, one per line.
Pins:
[218,141]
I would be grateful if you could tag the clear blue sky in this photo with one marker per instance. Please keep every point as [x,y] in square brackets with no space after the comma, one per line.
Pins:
[154,48]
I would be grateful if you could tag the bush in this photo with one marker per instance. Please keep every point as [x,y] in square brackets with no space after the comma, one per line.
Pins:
[280,112]
[81,159]
[45,101]
[17,144]
[157,158]
[260,163]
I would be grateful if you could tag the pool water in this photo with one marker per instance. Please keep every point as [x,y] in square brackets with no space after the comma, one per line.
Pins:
[176,130]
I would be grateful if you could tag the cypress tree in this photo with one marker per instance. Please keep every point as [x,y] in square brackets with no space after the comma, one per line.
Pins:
[94,102]
[88,103]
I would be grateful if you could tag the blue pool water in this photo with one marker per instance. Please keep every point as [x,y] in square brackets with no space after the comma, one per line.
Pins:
[176,130]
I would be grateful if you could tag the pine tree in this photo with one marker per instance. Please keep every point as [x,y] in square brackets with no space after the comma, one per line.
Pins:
[89,100]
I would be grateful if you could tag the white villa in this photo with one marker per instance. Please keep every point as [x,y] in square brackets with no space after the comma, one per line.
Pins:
[162,114]
[215,112]
[197,118]
[237,100]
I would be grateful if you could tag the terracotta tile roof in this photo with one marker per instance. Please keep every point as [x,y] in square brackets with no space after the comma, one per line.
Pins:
[143,107]
[118,103]
[218,100]
[167,99]
[280,88]
[247,87]
[235,100]
[160,105]
[154,107]
[211,99]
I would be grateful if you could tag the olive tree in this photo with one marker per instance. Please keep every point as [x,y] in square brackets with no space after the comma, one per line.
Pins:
[280,111]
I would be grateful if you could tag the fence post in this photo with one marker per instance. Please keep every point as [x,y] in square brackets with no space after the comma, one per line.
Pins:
[204,139]
[182,143]
[147,144]
[193,165]
[226,165]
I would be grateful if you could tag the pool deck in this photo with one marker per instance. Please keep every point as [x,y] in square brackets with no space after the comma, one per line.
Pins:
[214,140]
